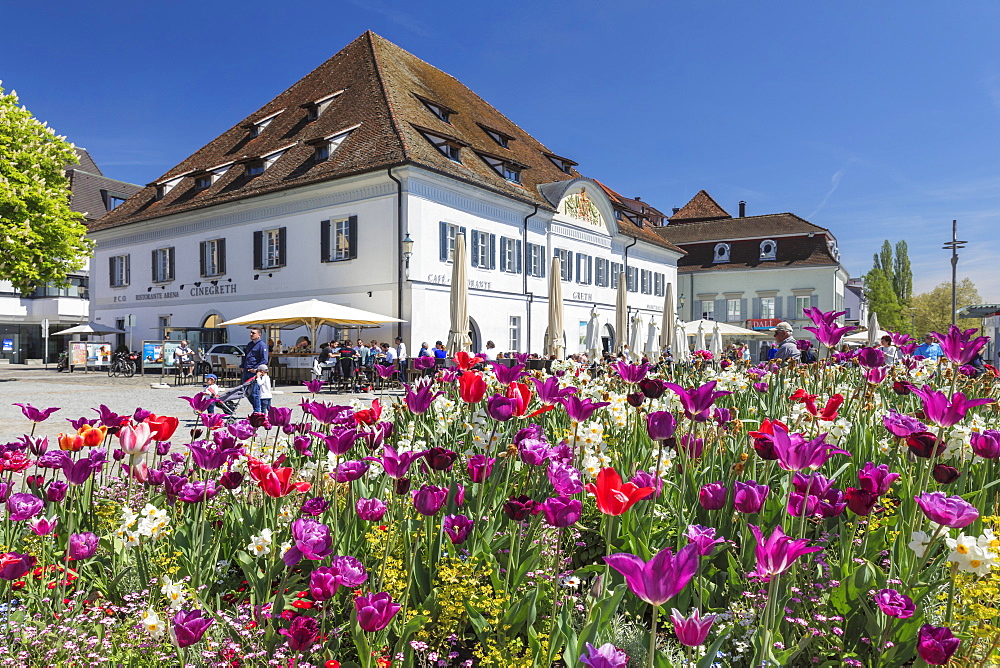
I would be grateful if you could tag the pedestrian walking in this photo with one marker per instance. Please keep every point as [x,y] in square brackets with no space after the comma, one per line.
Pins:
[254,354]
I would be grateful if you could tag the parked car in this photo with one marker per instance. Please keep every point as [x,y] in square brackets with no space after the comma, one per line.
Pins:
[220,355]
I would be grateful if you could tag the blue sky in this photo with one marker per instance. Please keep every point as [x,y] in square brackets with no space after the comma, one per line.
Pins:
[875,120]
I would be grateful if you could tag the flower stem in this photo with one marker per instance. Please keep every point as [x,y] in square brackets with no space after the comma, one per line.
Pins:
[651,659]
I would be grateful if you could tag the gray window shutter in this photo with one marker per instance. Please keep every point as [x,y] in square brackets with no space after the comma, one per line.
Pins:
[111,271]
[152,267]
[221,245]
[493,251]
[503,253]
[128,269]
[517,254]
[282,246]
[474,247]
[756,308]
[541,265]
[443,240]
[202,253]
[721,312]
[170,257]
[352,237]
[743,310]
[324,241]
[814,301]
[258,249]
[778,311]
[791,313]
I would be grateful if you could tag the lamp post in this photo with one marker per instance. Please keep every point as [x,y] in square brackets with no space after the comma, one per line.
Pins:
[954,245]
[407,244]
[680,304]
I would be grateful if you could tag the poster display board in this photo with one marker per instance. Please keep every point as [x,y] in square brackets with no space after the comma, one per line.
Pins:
[169,359]
[98,353]
[78,353]
[152,354]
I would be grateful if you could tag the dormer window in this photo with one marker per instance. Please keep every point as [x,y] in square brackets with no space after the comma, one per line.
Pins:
[506,168]
[113,201]
[442,112]
[450,147]
[166,186]
[325,146]
[259,126]
[564,164]
[768,249]
[502,139]
[255,168]
[203,182]
[831,244]
[316,108]
[721,253]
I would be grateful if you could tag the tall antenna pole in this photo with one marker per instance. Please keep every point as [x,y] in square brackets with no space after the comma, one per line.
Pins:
[954,245]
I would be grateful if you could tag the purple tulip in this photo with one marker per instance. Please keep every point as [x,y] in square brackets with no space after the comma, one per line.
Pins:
[564,478]
[200,402]
[458,528]
[386,371]
[370,510]
[518,508]
[14,565]
[762,387]
[704,538]
[832,503]
[749,497]
[698,402]
[397,464]
[350,571]
[507,374]
[870,358]
[189,627]
[986,444]
[37,445]
[56,491]
[197,491]
[777,552]
[936,644]
[314,506]
[949,511]
[82,545]
[795,453]
[23,506]
[631,373]
[302,633]
[876,479]
[712,496]
[429,498]
[647,479]
[77,472]
[662,577]
[339,440]
[241,430]
[802,505]
[108,417]
[324,583]
[693,630]
[560,511]
[375,611]
[635,399]
[605,656]
[811,483]
[660,425]
[480,467]
[325,413]
[561,453]
[36,414]
[901,425]
[312,541]
[423,363]
[231,480]
[534,453]
[580,410]
[894,604]
[315,386]
[279,416]
[876,375]
[440,459]
[549,392]
[959,346]
[500,408]
[653,388]
[419,400]
[942,412]
[78,423]
[691,446]
[349,471]
[209,458]
[826,330]
[945,475]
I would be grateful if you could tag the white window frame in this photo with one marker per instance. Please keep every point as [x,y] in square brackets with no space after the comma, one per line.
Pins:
[514,332]
[659,284]
[601,272]
[616,270]
[451,231]
[119,263]
[270,254]
[481,250]
[161,268]
[632,279]
[536,260]
[802,302]
[767,307]
[646,281]
[211,259]
[508,255]
[734,310]
[721,253]
[584,269]
[565,264]
[708,309]
[340,239]
[774,249]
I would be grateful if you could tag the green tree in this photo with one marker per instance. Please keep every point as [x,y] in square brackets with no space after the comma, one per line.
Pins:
[933,309]
[902,274]
[882,300]
[41,238]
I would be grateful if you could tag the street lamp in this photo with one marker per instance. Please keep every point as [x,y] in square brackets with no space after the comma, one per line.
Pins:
[680,304]
[954,245]
[407,244]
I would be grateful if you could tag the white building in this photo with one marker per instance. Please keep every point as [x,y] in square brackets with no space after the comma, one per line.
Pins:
[312,195]
[754,271]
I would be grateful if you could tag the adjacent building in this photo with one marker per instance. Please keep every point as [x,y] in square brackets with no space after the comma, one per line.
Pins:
[753,271]
[314,194]
[22,315]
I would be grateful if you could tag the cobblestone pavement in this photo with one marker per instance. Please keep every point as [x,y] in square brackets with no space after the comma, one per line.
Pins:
[76,393]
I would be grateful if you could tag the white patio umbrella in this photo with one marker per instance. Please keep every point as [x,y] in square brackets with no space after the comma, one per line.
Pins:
[554,344]
[667,323]
[652,340]
[680,349]
[592,341]
[313,314]
[873,330]
[715,347]
[635,340]
[699,337]
[725,329]
[458,335]
[621,313]
[90,328]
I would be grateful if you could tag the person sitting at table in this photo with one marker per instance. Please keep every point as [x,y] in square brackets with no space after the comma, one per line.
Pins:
[488,353]
[425,350]
[388,354]
[439,350]
[325,353]
[362,350]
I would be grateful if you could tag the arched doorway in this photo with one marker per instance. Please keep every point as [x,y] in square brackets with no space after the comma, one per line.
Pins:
[608,338]
[475,336]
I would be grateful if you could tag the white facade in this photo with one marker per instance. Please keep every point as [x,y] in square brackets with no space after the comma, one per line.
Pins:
[504,305]
[22,315]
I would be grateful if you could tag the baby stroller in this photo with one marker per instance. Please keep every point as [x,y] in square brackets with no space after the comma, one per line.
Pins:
[229,400]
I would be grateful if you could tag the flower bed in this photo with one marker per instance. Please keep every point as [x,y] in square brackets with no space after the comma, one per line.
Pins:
[713,513]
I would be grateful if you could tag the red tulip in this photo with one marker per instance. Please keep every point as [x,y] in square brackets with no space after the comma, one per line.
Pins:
[465,361]
[274,481]
[520,394]
[471,387]
[162,426]
[369,416]
[614,498]
[71,442]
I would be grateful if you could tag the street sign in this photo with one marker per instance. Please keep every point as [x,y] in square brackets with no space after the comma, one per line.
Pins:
[45,328]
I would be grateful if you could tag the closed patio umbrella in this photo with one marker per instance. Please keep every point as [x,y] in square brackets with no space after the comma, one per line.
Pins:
[621,313]
[873,330]
[635,340]
[652,340]
[716,345]
[458,336]
[680,349]
[554,344]
[699,338]
[667,322]
[592,341]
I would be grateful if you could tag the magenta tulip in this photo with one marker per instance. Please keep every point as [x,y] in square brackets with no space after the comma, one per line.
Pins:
[605,656]
[749,497]
[302,633]
[949,511]
[82,545]
[662,577]
[189,627]
[698,402]
[693,630]
[959,346]
[936,644]
[375,611]
[776,553]
[894,604]
[370,510]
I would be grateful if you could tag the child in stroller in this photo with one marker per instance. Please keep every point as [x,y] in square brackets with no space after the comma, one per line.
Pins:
[229,400]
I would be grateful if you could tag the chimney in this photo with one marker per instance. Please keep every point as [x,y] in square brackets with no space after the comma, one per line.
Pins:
[743,209]
[638,199]
[677,209]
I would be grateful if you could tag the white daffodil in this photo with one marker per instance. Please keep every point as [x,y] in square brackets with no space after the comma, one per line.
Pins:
[919,540]
[154,626]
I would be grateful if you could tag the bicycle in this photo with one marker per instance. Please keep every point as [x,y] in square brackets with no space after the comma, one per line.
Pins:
[123,364]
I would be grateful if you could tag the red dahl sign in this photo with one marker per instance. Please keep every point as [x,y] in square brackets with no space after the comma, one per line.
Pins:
[763,323]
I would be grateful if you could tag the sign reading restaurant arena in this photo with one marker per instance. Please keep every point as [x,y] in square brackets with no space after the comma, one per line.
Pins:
[581,207]
[195,291]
